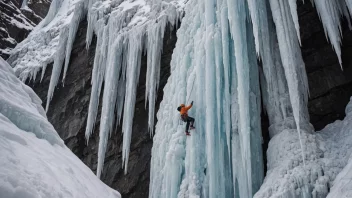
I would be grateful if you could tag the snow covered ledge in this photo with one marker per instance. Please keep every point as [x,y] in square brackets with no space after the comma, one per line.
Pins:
[34,162]
[327,153]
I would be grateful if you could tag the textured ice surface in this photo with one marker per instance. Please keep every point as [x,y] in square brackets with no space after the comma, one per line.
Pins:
[327,153]
[20,105]
[214,64]
[33,160]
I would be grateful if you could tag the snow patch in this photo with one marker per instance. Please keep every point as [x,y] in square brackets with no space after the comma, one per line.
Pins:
[36,164]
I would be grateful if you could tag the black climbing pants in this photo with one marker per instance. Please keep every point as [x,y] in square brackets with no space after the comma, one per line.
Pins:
[189,120]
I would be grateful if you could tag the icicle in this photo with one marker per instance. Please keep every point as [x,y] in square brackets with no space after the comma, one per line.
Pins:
[238,31]
[132,77]
[97,76]
[226,64]
[155,34]
[109,99]
[275,86]
[293,10]
[349,6]
[292,62]
[58,62]
[24,4]
[330,12]
[78,15]
[92,19]
[210,97]
[53,10]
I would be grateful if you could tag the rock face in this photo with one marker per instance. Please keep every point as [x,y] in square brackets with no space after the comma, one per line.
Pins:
[16,22]
[330,88]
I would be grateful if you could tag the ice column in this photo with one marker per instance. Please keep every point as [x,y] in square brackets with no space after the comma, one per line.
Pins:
[132,72]
[292,62]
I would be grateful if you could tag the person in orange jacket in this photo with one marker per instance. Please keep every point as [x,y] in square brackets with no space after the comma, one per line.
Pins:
[184,116]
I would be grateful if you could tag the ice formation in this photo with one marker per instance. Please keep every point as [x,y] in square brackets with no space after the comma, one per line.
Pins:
[218,47]
[215,64]
[328,152]
[34,162]
[124,29]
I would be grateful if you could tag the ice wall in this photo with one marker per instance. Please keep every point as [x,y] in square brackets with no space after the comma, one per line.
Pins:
[215,64]
[34,162]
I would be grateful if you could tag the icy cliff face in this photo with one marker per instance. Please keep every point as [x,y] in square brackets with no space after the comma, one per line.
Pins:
[34,162]
[215,65]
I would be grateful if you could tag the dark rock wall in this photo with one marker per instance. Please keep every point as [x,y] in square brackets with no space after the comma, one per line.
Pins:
[12,18]
[330,89]
[69,109]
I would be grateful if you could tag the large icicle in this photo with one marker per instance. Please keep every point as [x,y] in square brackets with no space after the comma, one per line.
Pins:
[132,72]
[78,15]
[247,134]
[292,62]
[58,62]
[53,10]
[97,75]
[155,39]
[109,99]
[330,12]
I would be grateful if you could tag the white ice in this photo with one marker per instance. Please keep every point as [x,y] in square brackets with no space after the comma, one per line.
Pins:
[34,162]
[327,157]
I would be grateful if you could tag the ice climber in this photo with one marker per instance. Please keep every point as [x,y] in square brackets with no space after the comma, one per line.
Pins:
[184,116]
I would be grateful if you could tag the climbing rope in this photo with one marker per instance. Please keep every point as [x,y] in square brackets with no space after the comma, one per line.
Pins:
[190,93]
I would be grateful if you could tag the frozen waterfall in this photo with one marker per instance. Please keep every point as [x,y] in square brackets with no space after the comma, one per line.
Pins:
[224,48]
[233,58]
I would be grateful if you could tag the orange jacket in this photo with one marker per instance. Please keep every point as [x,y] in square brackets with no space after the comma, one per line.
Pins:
[185,109]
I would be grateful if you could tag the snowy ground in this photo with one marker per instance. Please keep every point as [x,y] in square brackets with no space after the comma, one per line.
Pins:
[34,162]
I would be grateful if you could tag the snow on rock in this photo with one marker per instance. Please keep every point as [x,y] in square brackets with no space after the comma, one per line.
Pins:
[13,26]
[34,162]
[124,29]
[340,133]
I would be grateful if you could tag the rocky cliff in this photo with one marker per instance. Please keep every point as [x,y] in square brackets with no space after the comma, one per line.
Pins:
[17,21]
[330,88]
